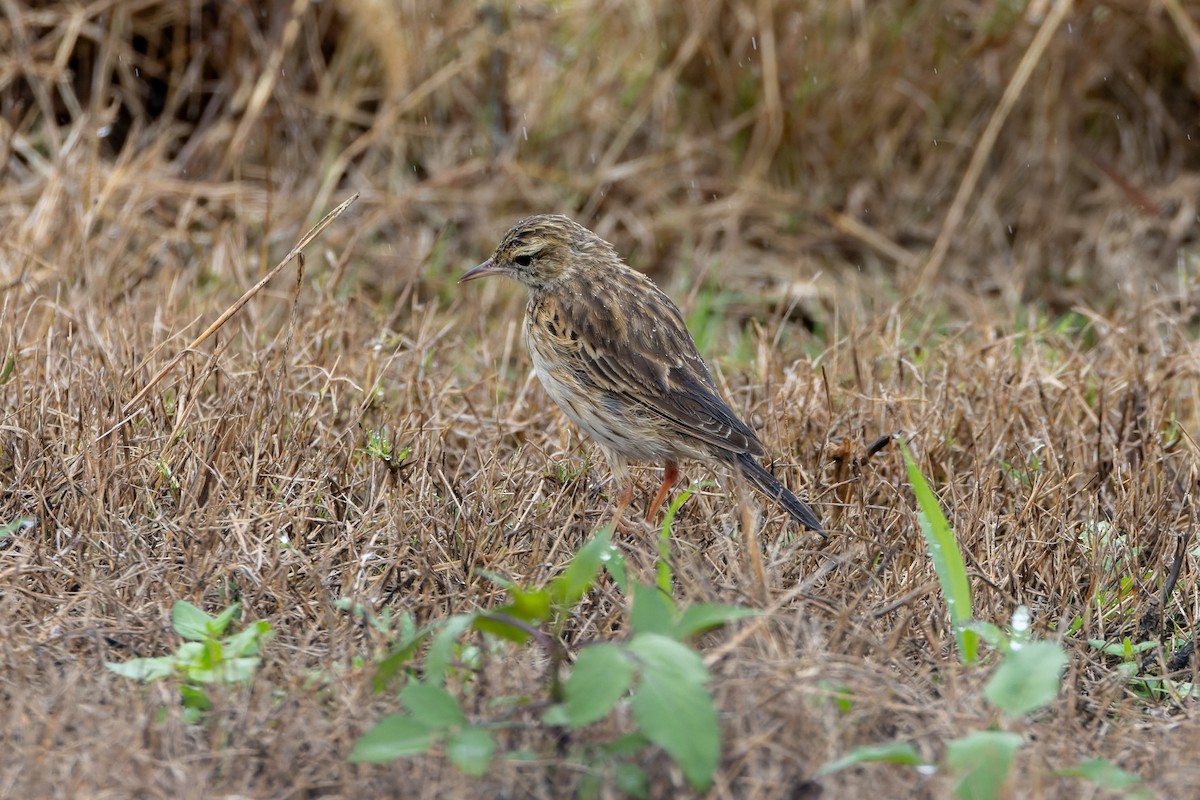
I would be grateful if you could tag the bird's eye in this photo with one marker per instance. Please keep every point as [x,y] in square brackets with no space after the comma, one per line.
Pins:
[524,260]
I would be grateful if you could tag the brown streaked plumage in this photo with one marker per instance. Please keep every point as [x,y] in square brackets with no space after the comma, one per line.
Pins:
[615,354]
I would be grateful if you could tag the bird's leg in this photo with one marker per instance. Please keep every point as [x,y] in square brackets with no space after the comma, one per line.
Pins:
[623,501]
[670,475]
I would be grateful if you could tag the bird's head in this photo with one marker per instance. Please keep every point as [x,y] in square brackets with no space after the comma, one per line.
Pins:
[543,250]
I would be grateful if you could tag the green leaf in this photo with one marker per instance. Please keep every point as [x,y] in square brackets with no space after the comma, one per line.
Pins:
[614,564]
[195,698]
[220,622]
[441,649]
[665,655]
[600,678]
[397,659]
[144,669]
[890,753]
[947,559]
[15,526]
[10,363]
[471,750]
[530,606]
[984,759]
[705,616]
[663,567]
[432,705]
[627,745]
[1102,772]
[493,625]
[577,578]
[631,780]
[1027,679]
[989,633]
[392,737]
[248,641]
[673,708]
[556,716]
[190,622]
[652,611]
[1122,649]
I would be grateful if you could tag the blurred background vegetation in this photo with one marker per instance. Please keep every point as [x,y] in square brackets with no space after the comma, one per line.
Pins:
[789,148]
[985,212]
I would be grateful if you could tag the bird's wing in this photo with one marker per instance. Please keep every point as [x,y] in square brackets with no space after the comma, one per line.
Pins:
[627,338]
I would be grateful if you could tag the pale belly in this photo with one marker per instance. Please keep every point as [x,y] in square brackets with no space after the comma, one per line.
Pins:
[609,420]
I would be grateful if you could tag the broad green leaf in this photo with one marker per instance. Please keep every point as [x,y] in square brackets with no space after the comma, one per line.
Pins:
[441,649]
[144,669]
[600,678]
[678,715]
[577,578]
[196,653]
[669,657]
[673,708]
[556,716]
[947,559]
[652,612]
[1027,679]
[530,606]
[705,616]
[471,750]
[1102,772]
[890,753]
[392,737]
[631,780]
[190,622]
[984,759]
[432,705]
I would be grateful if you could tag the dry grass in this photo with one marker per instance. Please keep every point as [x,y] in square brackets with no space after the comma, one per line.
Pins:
[780,168]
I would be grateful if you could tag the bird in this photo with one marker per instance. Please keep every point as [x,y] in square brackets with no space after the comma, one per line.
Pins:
[614,353]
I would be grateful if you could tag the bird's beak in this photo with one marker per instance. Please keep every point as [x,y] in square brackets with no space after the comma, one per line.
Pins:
[482,271]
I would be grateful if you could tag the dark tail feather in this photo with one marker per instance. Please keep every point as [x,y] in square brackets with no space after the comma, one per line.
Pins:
[765,482]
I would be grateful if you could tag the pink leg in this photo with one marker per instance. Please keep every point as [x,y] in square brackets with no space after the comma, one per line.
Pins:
[623,501]
[670,475]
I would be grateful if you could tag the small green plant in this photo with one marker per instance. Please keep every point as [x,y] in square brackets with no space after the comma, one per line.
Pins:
[379,445]
[1027,679]
[15,526]
[207,656]
[654,673]
[1128,656]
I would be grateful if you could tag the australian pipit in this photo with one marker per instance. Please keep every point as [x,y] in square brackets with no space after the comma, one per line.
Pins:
[615,354]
